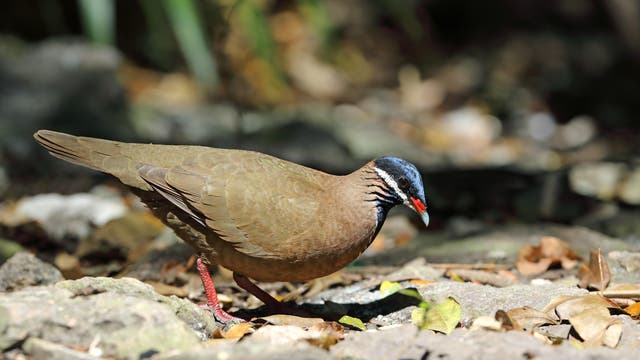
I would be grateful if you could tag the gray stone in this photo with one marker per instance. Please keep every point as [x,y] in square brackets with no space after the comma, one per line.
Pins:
[630,189]
[407,342]
[624,266]
[599,180]
[63,216]
[115,325]
[42,349]
[200,321]
[249,350]
[24,269]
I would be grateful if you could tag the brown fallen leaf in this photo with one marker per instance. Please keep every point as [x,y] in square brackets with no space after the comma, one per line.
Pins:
[530,318]
[69,265]
[508,323]
[326,334]
[568,306]
[612,334]
[596,327]
[596,275]
[421,282]
[590,318]
[484,277]
[237,331]
[536,259]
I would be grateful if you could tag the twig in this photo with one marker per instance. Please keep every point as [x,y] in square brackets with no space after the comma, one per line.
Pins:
[633,293]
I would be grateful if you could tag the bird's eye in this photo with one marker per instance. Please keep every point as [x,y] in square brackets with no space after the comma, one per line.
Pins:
[403,182]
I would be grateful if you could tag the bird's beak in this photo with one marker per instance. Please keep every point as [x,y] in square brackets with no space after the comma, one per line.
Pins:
[421,209]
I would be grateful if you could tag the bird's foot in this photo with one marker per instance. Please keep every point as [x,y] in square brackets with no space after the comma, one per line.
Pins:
[220,315]
[213,304]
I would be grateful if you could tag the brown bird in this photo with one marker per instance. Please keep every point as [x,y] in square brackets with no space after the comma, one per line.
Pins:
[257,215]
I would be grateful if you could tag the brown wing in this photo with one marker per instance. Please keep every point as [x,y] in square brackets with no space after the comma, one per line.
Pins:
[260,204]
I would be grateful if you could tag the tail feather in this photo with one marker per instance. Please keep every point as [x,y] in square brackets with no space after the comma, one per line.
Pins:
[65,147]
[111,157]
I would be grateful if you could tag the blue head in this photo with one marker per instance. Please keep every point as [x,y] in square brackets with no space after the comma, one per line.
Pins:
[403,184]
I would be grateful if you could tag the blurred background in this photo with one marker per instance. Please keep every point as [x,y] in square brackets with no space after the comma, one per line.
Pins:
[515,111]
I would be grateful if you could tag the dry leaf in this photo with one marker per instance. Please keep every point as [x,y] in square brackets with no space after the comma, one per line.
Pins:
[612,335]
[577,304]
[591,324]
[237,331]
[530,318]
[486,323]
[597,274]
[282,319]
[633,310]
[508,323]
[421,282]
[589,316]
[536,259]
[326,334]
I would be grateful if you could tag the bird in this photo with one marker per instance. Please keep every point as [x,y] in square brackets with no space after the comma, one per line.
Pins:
[261,217]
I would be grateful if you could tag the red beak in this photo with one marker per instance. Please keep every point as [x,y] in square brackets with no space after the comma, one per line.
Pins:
[421,209]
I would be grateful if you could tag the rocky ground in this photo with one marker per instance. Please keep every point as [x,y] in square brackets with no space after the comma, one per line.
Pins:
[43,316]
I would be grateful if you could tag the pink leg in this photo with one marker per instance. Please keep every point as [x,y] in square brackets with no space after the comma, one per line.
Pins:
[267,299]
[212,295]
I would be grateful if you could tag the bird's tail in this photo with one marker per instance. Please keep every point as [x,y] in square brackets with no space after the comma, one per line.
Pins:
[108,156]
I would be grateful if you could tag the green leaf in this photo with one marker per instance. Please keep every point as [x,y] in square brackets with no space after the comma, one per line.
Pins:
[443,317]
[98,19]
[389,287]
[185,21]
[411,292]
[353,322]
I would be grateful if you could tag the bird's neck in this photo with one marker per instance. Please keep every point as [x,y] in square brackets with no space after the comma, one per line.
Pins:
[371,192]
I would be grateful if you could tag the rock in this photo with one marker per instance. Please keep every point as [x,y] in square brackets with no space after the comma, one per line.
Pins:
[624,266]
[598,180]
[407,342]
[126,326]
[24,269]
[42,349]
[70,215]
[630,189]
[249,349]
[121,318]
[200,321]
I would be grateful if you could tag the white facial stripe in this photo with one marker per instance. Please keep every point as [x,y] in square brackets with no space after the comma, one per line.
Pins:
[389,180]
